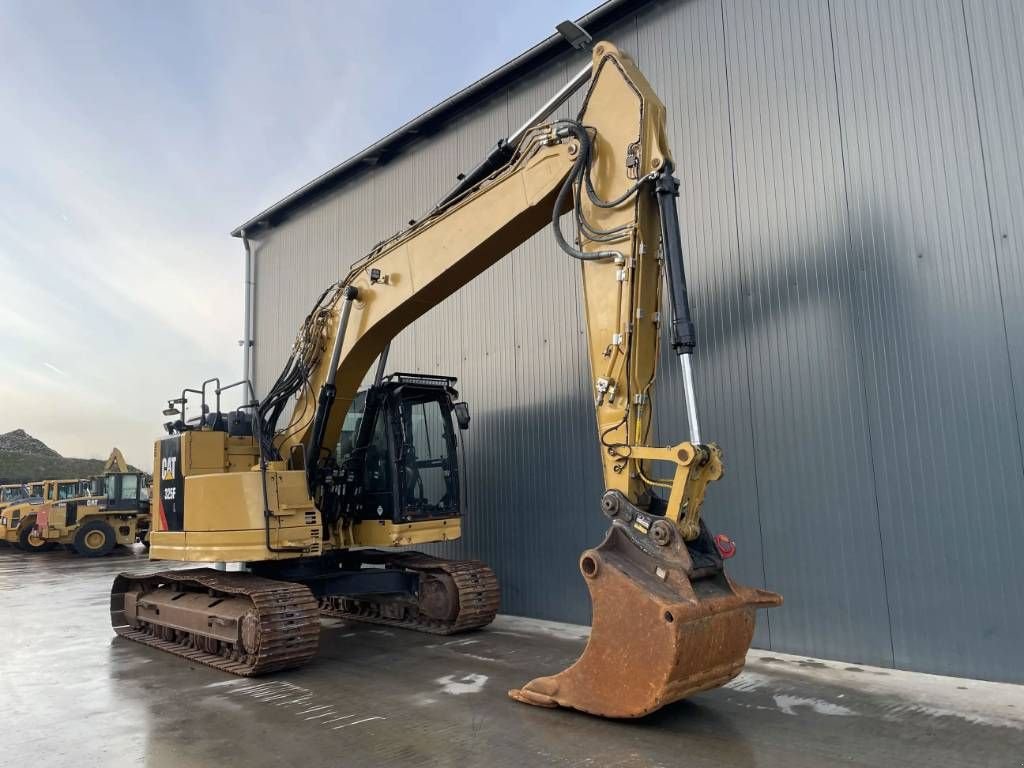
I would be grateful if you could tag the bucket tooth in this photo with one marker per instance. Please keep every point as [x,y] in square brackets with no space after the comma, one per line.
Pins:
[657,635]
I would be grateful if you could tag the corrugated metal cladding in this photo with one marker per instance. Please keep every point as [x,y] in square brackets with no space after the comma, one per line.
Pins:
[853,177]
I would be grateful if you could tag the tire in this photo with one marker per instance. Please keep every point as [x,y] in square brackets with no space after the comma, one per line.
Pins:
[29,543]
[95,538]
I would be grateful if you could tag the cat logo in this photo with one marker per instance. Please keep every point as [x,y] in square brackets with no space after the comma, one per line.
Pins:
[167,467]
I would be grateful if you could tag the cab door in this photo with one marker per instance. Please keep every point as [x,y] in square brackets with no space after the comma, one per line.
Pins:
[68,495]
[377,476]
[124,492]
[426,455]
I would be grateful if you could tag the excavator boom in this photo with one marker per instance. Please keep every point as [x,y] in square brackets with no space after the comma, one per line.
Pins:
[115,462]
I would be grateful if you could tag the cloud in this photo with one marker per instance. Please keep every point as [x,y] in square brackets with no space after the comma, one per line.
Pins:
[136,136]
[54,368]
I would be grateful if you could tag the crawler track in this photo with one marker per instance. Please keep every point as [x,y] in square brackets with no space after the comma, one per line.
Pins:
[282,627]
[477,589]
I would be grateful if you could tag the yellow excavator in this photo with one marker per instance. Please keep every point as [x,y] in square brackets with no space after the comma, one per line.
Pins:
[315,507]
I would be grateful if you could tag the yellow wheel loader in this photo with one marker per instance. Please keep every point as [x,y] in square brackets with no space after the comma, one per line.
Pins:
[111,511]
[315,507]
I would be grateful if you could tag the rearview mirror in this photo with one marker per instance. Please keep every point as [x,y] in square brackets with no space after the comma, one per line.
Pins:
[461,414]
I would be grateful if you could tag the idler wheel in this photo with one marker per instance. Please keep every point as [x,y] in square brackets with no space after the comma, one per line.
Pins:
[250,632]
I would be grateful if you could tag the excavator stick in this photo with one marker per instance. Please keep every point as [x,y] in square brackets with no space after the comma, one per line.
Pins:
[663,628]
[668,622]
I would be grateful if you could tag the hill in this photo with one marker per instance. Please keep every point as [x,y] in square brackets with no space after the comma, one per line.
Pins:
[24,458]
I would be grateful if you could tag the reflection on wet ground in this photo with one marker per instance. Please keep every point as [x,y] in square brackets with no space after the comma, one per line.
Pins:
[73,694]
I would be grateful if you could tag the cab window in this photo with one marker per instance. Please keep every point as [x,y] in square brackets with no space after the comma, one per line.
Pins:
[67,491]
[376,477]
[425,459]
[350,428]
[129,487]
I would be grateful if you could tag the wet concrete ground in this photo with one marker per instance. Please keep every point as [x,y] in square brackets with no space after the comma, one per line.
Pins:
[71,693]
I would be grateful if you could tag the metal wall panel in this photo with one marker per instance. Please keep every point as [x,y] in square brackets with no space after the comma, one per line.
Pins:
[996,44]
[807,399]
[852,183]
[944,435]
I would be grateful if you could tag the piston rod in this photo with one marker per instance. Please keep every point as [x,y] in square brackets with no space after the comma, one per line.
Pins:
[691,399]
[503,151]
[552,104]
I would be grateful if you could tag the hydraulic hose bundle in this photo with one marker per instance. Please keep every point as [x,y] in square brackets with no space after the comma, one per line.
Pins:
[578,179]
[298,370]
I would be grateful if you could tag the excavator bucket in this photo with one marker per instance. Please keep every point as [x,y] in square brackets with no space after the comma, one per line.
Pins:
[663,628]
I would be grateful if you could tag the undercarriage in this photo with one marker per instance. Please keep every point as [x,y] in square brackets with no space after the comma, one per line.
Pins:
[269,620]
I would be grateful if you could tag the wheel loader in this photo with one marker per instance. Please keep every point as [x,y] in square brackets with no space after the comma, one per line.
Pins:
[92,517]
[314,505]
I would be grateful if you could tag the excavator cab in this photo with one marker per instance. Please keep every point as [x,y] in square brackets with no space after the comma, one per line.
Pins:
[397,457]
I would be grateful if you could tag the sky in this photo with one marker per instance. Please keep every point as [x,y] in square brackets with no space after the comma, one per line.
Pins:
[137,135]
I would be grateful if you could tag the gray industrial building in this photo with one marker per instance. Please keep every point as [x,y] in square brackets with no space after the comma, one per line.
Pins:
[852,199]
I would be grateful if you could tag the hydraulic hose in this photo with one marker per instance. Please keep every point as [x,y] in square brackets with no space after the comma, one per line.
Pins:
[579,167]
[579,179]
